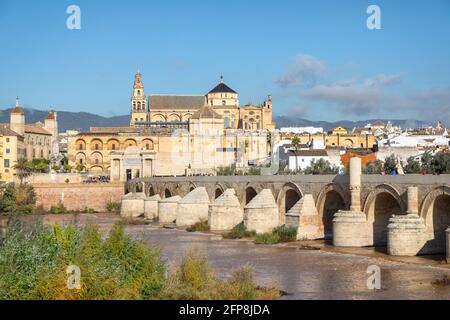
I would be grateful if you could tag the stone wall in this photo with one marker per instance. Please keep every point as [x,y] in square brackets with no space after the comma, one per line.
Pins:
[78,196]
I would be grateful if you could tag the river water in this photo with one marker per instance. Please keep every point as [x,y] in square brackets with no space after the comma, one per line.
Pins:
[303,274]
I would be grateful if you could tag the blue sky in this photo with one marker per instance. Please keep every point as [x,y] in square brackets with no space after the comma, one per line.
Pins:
[317,58]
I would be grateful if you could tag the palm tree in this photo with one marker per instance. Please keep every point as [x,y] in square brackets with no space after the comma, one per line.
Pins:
[296,144]
[22,168]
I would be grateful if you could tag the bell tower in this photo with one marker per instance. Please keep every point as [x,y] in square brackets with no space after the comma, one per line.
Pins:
[138,101]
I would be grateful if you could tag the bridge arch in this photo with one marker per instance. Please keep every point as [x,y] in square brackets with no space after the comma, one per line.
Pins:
[218,190]
[249,194]
[287,197]
[435,211]
[381,204]
[330,200]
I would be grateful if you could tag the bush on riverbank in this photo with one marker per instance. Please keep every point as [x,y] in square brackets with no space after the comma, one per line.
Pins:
[34,264]
[239,232]
[201,226]
[193,279]
[112,206]
[17,199]
[278,235]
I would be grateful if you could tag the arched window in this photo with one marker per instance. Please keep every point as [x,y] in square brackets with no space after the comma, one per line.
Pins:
[139,106]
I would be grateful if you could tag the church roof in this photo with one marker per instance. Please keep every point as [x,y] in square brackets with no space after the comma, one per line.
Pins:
[17,110]
[222,88]
[5,131]
[36,129]
[175,102]
[206,112]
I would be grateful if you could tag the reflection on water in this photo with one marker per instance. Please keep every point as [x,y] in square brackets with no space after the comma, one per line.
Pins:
[303,274]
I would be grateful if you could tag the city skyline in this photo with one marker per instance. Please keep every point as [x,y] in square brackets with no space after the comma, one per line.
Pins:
[318,62]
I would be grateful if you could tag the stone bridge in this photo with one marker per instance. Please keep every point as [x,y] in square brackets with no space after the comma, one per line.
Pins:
[381,197]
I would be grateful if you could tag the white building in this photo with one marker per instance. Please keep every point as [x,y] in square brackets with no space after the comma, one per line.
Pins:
[300,130]
[301,159]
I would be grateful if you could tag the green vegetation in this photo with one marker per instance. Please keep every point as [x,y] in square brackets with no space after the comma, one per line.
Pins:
[286,234]
[267,238]
[40,165]
[34,261]
[58,209]
[193,279]
[374,167]
[112,206]
[321,167]
[23,169]
[278,235]
[240,232]
[201,226]
[428,164]
[17,199]
[34,264]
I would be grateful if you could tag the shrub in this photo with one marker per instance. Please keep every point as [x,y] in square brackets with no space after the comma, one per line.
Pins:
[240,232]
[193,279]
[285,234]
[67,167]
[201,226]
[34,264]
[56,168]
[267,238]
[112,206]
[18,198]
[88,210]
[58,209]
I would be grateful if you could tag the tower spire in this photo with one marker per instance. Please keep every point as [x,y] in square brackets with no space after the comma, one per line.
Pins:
[221,78]
[17,102]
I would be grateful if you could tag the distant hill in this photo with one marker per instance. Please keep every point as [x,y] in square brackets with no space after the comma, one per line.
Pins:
[285,121]
[71,120]
[83,121]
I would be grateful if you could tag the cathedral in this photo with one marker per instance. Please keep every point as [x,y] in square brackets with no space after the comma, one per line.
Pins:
[177,136]
[178,109]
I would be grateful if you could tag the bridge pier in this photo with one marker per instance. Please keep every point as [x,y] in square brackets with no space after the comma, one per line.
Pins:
[304,216]
[132,205]
[193,207]
[151,207]
[406,233]
[167,209]
[225,212]
[350,228]
[261,214]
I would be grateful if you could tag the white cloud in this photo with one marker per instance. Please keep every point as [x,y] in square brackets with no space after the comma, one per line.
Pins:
[304,70]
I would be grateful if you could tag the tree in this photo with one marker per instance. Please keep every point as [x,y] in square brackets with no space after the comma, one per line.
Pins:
[413,166]
[390,164]
[23,169]
[321,167]
[440,163]
[373,167]
[18,198]
[296,144]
